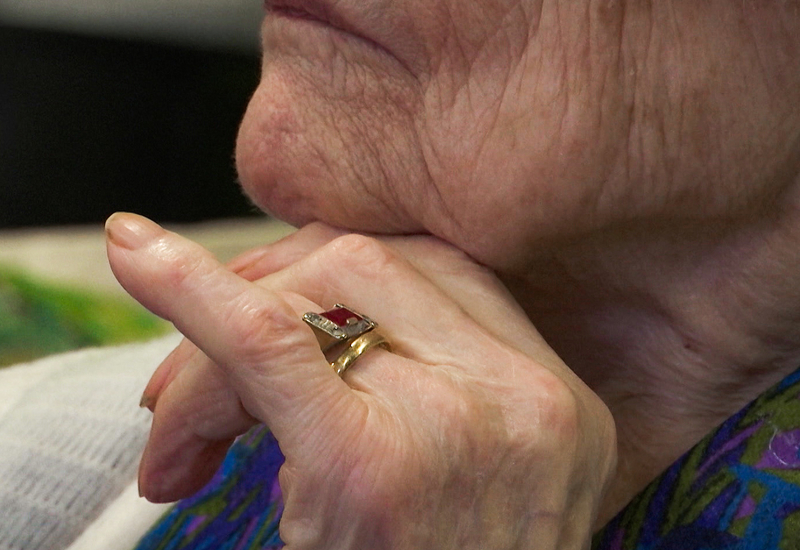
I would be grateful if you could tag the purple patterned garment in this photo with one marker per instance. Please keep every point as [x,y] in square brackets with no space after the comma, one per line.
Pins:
[239,509]
[738,489]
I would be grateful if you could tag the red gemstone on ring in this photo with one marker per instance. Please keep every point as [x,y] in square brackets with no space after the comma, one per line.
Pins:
[341,316]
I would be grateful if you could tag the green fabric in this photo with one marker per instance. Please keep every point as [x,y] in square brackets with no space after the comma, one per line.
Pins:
[38,318]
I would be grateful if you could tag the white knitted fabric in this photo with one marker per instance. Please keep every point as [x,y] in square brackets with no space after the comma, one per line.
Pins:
[71,434]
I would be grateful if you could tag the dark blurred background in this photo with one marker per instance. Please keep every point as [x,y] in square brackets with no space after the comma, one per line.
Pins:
[95,122]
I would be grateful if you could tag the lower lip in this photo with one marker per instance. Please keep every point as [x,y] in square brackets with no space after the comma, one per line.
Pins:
[289,12]
[275,15]
[299,28]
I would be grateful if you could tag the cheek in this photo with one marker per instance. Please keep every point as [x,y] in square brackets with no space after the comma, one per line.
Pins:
[345,156]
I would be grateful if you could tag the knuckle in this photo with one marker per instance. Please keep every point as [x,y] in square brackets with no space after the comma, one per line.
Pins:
[186,271]
[559,411]
[262,329]
[322,230]
[579,428]
[359,253]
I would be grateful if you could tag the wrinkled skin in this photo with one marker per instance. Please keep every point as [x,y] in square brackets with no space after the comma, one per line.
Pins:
[629,170]
[414,449]
[500,125]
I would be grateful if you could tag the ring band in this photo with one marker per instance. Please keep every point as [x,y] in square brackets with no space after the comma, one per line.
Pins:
[356,348]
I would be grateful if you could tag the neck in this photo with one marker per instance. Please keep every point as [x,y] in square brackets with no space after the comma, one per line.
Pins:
[675,331]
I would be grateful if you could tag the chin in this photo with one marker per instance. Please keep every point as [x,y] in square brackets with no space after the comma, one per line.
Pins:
[292,168]
[273,194]
[275,163]
[315,146]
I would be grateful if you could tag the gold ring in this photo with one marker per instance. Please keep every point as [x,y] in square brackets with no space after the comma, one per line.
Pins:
[356,348]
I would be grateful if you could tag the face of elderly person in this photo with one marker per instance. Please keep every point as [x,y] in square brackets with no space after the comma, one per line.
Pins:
[503,125]
[629,167]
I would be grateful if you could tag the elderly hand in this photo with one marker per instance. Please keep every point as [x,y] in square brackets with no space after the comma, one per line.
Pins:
[471,433]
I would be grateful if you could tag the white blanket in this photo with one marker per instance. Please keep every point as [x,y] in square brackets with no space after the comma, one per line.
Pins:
[71,434]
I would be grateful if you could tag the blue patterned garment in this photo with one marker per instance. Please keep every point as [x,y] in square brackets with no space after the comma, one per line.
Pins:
[239,509]
[738,489]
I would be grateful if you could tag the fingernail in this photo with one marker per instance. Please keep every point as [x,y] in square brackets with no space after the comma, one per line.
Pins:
[147,402]
[131,231]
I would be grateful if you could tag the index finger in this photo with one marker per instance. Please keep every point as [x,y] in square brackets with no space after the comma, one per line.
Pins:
[255,335]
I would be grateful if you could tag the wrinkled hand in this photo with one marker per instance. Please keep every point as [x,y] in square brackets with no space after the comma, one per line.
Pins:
[470,434]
